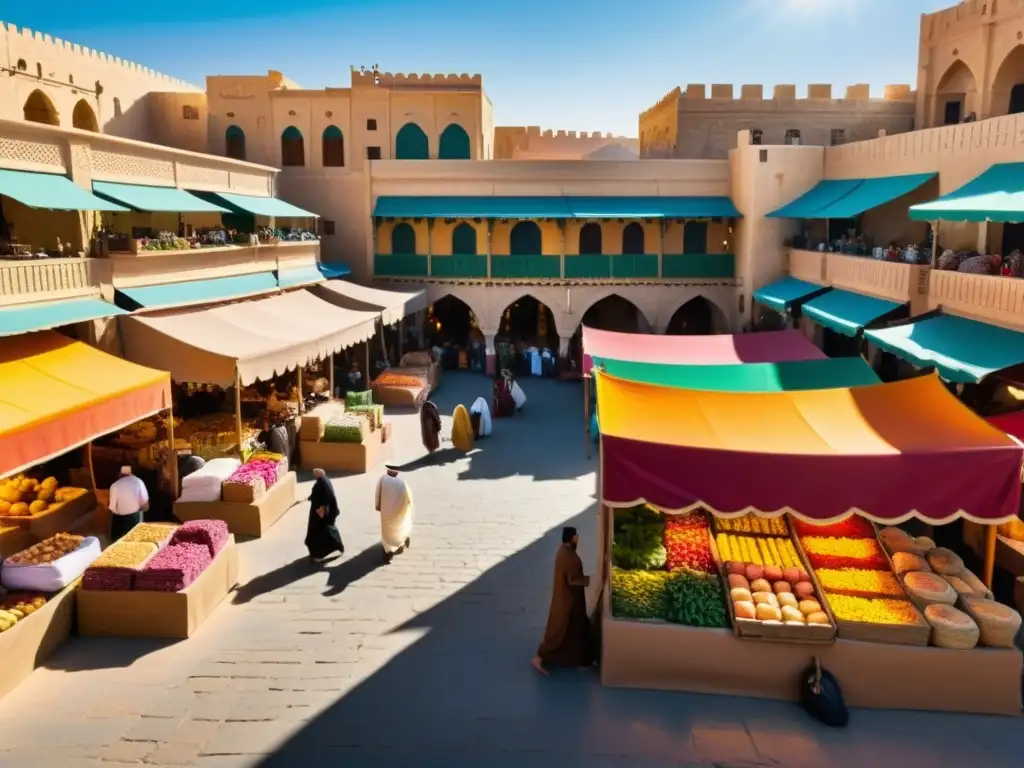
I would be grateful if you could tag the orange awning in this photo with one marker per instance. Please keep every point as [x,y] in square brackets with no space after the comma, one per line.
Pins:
[57,394]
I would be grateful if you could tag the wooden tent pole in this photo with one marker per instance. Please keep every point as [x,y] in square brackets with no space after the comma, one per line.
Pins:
[89,465]
[238,411]
[990,554]
[330,376]
[172,452]
[298,388]
[586,409]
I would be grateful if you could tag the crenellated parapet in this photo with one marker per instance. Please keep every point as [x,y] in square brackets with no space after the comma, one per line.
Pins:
[363,79]
[783,93]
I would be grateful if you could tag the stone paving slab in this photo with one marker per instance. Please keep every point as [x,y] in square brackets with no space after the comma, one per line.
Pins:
[425,662]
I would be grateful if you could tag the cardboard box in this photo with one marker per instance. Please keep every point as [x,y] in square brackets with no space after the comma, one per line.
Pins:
[33,639]
[253,519]
[172,615]
[345,457]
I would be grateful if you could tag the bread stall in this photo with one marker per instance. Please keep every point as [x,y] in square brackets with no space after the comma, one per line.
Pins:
[233,347]
[708,546]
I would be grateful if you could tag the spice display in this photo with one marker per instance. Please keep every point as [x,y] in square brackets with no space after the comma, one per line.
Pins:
[345,428]
[48,550]
[752,524]
[151,533]
[212,534]
[388,379]
[772,594]
[760,550]
[687,543]
[853,527]
[854,581]
[694,598]
[872,610]
[823,552]
[173,568]
[22,496]
[638,594]
[115,569]
[639,539]
[253,471]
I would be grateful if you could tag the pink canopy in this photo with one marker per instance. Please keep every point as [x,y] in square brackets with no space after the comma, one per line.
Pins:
[720,349]
[1010,423]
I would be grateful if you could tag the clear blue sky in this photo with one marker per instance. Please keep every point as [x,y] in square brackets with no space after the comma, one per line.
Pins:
[567,64]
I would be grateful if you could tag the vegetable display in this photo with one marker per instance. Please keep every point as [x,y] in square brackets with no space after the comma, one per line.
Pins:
[774,595]
[48,550]
[754,525]
[760,550]
[639,539]
[359,398]
[638,594]
[694,598]
[687,543]
[344,428]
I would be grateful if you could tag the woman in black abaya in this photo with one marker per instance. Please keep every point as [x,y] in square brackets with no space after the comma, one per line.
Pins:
[322,535]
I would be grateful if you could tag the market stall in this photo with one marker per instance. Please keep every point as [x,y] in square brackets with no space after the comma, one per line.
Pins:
[345,436]
[237,346]
[402,387]
[599,347]
[158,581]
[699,561]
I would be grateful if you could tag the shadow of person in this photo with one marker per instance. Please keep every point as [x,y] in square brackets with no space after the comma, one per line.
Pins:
[435,459]
[348,572]
[277,579]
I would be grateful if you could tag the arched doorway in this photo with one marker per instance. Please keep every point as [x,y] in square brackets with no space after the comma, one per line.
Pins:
[403,239]
[614,313]
[411,143]
[527,323]
[464,240]
[1008,85]
[451,326]
[234,143]
[590,240]
[633,239]
[84,118]
[333,146]
[525,239]
[694,318]
[454,143]
[293,148]
[39,109]
[954,94]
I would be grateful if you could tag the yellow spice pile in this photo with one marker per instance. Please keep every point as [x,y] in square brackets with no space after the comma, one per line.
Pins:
[150,533]
[125,554]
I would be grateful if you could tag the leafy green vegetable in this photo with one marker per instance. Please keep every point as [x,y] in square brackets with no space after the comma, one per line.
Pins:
[638,594]
[344,428]
[639,542]
[695,599]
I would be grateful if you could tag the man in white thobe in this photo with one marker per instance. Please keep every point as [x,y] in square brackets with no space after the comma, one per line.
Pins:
[128,500]
[394,502]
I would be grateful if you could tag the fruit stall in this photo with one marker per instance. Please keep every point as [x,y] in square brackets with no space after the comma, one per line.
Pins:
[714,351]
[692,573]
[345,436]
[159,581]
[402,387]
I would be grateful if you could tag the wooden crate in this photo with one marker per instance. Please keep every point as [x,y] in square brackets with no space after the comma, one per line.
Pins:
[717,526]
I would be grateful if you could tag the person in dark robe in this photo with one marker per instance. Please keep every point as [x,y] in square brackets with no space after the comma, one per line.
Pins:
[567,641]
[322,535]
[504,404]
[430,426]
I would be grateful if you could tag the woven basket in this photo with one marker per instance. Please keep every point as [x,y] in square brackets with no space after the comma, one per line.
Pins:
[945,561]
[906,562]
[998,623]
[951,628]
[926,589]
[897,540]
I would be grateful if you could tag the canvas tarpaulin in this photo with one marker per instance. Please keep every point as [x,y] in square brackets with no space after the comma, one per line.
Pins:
[58,394]
[392,305]
[260,338]
[890,452]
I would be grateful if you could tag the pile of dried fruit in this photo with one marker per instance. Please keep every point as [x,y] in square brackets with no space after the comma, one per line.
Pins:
[48,550]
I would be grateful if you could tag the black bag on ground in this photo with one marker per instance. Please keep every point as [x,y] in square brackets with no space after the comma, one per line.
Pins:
[821,697]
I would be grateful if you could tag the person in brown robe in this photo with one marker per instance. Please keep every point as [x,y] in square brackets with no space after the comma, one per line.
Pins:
[567,641]
[430,426]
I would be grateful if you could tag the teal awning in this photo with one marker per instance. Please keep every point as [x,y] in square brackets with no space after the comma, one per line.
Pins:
[262,206]
[830,373]
[305,275]
[155,199]
[53,314]
[483,207]
[652,208]
[997,195]
[52,191]
[784,293]
[964,351]
[200,291]
[847,312]
[334,269]
[871,193]
[824,194]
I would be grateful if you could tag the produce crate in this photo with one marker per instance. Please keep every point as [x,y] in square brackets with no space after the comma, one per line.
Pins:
[721,526]
[243,493]
[753,629]
[917,634]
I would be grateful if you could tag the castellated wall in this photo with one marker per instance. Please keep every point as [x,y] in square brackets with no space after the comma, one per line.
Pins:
[531,143]
[123,98]
[697,124]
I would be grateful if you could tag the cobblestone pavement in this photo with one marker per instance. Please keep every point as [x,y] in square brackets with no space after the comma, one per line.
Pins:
[426,662]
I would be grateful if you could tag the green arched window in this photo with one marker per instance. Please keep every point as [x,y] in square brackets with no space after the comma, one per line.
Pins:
[403,239]
[333,147]
[464,240]
[454,143]
[234,143]
[411,143]
[293,149]
[525,239]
